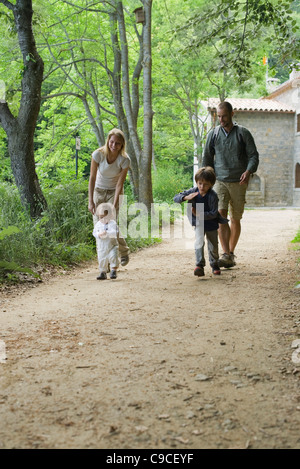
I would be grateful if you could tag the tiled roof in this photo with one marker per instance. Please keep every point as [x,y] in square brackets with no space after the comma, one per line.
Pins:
[294,81]
[260,105]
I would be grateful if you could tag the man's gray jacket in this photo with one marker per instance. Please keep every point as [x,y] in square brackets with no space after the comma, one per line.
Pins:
[230,155]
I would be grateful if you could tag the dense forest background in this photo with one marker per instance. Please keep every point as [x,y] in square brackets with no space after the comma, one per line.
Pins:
[101,66]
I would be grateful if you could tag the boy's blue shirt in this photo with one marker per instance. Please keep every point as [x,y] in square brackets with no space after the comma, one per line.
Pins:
[212,218]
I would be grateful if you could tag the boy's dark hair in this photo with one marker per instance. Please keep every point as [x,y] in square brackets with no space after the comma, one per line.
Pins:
[207,173]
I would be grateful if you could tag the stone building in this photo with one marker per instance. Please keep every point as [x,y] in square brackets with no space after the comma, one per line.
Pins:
[274,122]
[289,93]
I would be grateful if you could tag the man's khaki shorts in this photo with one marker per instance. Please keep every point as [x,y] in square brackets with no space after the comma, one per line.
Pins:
[232,196]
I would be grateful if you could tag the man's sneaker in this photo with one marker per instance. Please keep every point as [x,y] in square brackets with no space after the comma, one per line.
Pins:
[113,274]
[199,271]
[227,260]
[102,276]
[233,258]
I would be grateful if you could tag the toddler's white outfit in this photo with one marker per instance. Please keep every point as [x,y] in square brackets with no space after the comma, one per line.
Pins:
[108,246]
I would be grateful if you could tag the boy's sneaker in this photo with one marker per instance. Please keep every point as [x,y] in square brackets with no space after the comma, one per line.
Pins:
[113,274]
[216,270]
[227,260]
[199,271]
[102,276]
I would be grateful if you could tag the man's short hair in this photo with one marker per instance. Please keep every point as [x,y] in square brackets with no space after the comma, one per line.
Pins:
[226,105]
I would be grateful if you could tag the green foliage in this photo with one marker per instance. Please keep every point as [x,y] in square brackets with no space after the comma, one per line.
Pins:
[169,180]
[14,267]
[62,237]
[297,238]
[200,49]
[8,232]
[11,267]
[296,241]
[67,217]
[5,169]
[240,25]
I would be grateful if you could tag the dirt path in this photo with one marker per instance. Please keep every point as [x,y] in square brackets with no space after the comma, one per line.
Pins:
[159,358]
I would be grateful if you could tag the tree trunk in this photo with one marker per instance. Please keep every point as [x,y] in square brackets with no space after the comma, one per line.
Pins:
[145,192]
[116,90]
[20,130]
[131,117]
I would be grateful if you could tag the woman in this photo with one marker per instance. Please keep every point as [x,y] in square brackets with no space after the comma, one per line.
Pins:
[109,167]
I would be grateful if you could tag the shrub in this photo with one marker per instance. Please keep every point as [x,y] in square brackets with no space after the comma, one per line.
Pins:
[61,237]
[168,181]
[297,238]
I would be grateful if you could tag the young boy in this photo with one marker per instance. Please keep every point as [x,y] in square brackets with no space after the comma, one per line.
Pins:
[204,194]
[105,232]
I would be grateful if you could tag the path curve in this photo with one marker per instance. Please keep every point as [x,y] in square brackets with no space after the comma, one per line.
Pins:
[159,358]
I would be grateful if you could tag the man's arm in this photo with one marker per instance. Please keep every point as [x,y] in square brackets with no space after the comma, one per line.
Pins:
[251,152]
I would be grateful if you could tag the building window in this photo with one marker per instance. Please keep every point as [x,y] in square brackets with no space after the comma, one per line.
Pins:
[254,183]
[297,176]
[298,122]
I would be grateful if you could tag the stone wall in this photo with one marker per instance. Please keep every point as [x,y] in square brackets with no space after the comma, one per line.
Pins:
[274,134]
[296,160]
[291,95]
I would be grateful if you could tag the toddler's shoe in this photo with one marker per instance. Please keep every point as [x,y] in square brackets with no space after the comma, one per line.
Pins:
[102,276]
[113,274]
[124,260]
[199,271]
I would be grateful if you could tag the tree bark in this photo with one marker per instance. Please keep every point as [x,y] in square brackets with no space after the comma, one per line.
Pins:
[131,110]
[145,192]
[20,130]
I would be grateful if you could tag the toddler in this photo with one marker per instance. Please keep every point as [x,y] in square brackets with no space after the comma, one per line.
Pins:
[106,232]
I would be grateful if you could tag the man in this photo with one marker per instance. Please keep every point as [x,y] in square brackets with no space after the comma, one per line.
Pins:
[230,149]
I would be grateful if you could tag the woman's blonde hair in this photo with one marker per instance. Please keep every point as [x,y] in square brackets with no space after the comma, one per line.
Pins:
[121,136]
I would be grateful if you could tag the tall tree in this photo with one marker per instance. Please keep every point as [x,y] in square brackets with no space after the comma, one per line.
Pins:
[233,26]
[113,66]
[20,129]
[214,50]
[145,187]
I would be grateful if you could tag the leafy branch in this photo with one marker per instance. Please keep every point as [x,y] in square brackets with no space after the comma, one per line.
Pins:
[238,25]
